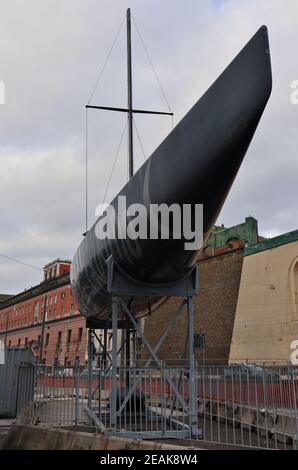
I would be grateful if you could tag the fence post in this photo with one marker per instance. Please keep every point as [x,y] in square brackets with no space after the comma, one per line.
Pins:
[77,395]
[162,397]
[294,401]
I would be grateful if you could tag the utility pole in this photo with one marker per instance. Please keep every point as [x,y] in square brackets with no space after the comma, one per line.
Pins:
[44,313]
[6,328]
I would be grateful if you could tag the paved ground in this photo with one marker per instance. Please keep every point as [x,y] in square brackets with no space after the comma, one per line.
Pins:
[4,427]
[217,434]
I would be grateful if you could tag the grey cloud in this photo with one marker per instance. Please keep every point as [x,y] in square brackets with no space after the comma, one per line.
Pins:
[51,52]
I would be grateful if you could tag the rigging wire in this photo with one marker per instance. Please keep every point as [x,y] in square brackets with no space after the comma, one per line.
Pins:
[86,121]
[114,163]
[20,262]
[106,61]
[139,139]
[86,171]
[152,66]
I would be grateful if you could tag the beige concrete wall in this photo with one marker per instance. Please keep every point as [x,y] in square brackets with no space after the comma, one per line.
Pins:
[266,323]
[28,437]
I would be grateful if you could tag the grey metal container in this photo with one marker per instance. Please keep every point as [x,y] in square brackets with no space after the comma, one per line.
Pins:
[16,381]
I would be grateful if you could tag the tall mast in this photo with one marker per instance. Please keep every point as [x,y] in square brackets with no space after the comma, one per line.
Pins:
[129,110]
[130,155]
[129,95]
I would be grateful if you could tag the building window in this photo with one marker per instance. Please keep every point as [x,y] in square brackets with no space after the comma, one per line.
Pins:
[68,337]
[80,334]
[62,295]
[55,299]
[36,311]
[9,343]
[59,339]
[19,342]
[26,342]
[47,340]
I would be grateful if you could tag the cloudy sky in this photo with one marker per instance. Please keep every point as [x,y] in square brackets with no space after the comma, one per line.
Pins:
[51,52]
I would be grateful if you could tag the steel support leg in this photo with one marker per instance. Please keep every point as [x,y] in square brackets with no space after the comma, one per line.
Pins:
[152,352]
[105,347]
[90,359]
[193,412]
[114,365]
[127,352]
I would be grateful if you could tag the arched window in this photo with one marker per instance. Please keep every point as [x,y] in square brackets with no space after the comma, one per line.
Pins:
[293,290]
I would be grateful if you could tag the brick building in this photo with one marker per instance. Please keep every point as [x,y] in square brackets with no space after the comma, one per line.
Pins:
[219,269]
[46,319]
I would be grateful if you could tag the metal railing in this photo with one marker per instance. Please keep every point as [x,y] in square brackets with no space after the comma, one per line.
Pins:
[242,405]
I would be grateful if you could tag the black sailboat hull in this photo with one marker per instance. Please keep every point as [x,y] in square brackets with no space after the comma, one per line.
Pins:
[196,163]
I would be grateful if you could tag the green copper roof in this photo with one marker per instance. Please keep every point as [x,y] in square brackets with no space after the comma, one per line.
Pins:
[4,297]
[272,243]
[247,231]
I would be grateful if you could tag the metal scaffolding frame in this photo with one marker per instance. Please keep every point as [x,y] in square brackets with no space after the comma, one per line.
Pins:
[123,288]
